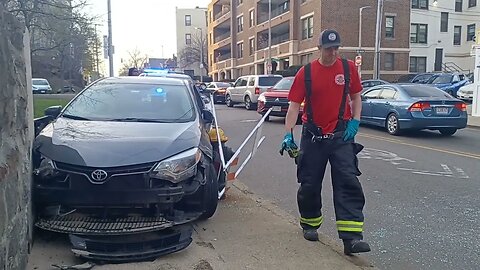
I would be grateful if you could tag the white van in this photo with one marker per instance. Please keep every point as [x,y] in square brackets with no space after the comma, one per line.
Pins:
[246,89]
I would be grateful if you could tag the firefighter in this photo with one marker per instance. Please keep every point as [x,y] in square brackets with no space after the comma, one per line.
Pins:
[331,89]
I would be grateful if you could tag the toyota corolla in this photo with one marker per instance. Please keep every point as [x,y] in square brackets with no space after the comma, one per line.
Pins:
[127,154]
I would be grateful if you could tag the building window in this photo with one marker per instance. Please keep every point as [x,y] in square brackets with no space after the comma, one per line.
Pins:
[285,6]
[240,50]
[470,31]
[418,33]
[458,5]
[420,4]
[251,21]
[472,3]
[188,39]
[457,35]
[252,46]
[307,27]
[418,64]
[188,20]
[444,22]
[240,24]
[389,61]
[305,58]
[390,26]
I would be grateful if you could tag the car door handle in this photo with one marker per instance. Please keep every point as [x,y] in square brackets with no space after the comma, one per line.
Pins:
[387,103]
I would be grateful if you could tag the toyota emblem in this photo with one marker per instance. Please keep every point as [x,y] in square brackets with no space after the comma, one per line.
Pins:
[99,175]
[277,100]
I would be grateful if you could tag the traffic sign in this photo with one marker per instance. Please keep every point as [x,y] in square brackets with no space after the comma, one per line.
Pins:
[358,60]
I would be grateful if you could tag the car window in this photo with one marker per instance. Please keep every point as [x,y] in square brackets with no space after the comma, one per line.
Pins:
[211,86]
[461,76]
[443,79]
[243,82]
[237,82]
[39,82]
[366,84]
[220,85]
[284,84]
[388,93]
[456,78]
[268,81]
[156,102]
[251,81]
[423,91]
[373,94]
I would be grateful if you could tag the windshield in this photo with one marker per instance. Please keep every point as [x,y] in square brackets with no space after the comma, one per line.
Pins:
[142,102]
[443,79]
[223,84]
[283,85]
[268,81]
[424,91]
[39,82]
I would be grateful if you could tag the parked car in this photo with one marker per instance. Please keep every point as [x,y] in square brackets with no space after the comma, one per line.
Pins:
[247,89]
[41,86]
[413,106]
[371,83]
[130,149]
[277,98]
[416,77]
[218,90]
[449,82]
[466,92]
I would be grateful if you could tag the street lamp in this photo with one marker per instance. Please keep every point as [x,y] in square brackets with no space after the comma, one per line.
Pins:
[360,38]
[201,53]
[269,64]
[378,31]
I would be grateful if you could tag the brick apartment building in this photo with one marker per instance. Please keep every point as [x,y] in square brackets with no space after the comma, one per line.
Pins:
[238,34]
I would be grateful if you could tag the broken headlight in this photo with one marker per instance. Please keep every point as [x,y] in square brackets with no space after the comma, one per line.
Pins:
[46,168]
[179,167]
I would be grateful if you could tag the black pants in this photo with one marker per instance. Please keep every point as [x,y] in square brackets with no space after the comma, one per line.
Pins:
[348,195]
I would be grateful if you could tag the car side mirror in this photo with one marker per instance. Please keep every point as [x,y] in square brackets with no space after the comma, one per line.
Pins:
[53,111]
[364,98]
[208,116]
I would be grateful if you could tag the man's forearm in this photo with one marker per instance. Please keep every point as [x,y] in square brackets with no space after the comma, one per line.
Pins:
[292,115]
[357,107]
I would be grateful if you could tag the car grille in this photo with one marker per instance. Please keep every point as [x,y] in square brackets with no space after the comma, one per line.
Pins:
[113,183]
[277,100]
[88,225]
[128,176]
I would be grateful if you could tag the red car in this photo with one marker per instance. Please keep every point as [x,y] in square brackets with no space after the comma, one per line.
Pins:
[277,98]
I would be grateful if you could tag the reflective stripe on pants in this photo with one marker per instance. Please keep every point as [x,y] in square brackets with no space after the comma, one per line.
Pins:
[313,222]
[349,226]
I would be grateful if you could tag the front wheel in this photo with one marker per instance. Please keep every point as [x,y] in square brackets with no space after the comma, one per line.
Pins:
[392,124]
[210,194]
[448,131]
[228,101]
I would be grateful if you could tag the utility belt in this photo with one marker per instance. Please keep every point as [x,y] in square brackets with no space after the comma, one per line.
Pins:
[316,134]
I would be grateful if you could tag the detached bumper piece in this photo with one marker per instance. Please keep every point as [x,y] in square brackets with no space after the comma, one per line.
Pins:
[130,248]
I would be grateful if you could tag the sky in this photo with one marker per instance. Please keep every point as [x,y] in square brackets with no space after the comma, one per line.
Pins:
[153,26]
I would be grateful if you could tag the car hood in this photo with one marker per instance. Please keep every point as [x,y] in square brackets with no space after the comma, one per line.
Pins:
[111,144]
[279,94]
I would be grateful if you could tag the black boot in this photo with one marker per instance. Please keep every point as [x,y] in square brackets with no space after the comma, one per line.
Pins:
[310,234]
[355,246]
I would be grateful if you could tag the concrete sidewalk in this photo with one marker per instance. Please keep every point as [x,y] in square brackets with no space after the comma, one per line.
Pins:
[245,233]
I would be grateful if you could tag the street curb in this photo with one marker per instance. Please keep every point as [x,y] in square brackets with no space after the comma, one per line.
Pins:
[359,261]
[473,126]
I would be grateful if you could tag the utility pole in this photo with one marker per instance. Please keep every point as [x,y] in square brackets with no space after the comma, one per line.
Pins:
[201,53]
[378,35]
[96,52]
[360,38]
[269,64]
[110,46]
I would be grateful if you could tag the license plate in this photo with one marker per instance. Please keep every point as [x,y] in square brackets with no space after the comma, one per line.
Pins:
[277,108]
[441,110]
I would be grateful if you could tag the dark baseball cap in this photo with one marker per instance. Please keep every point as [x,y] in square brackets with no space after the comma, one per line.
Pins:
[329,38]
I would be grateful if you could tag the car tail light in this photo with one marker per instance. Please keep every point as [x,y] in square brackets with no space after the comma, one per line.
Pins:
[461,106]
[419,106]
[257,91]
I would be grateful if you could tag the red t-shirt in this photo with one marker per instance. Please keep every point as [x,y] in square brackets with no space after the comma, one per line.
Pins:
[327,92]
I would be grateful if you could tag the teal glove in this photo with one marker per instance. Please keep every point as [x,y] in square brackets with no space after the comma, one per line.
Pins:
[351,130]
[289,145]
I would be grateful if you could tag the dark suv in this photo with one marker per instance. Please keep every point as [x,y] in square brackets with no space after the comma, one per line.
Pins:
[127,154]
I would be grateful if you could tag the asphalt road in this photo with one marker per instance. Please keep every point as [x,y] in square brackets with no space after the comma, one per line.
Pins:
[422,190]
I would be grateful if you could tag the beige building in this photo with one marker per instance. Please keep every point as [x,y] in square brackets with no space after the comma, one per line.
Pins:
[238,34]
[191,25]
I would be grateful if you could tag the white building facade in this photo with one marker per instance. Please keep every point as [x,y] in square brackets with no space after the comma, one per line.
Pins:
[442,33]
[191,26]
